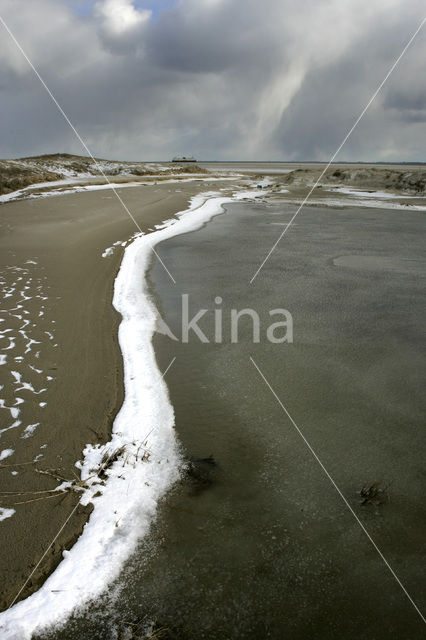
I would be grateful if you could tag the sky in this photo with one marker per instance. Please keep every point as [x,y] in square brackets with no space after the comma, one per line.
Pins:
[217,79]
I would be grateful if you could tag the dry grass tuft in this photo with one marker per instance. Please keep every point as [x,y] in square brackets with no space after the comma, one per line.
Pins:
[375,494]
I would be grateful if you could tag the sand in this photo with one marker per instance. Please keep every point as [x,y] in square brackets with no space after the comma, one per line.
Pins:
[66,237]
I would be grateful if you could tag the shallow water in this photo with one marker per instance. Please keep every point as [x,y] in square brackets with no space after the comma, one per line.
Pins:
[264,546]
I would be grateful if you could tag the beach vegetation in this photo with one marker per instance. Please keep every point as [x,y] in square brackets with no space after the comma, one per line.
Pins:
[374,493]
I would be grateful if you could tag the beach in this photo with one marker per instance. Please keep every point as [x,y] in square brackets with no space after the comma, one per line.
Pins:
[212,285]
[68,249]
[76,355]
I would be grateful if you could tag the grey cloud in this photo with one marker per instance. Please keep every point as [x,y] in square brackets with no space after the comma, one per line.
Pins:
[330,100]
[408,104]
[219,79]
[215,39]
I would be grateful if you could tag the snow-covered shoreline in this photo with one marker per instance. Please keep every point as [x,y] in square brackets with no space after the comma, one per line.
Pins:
[143,446]
[31,191]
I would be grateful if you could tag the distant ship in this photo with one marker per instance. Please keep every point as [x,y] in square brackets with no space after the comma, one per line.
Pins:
[184,159]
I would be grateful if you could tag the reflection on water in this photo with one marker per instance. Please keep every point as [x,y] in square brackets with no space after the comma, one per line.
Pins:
[257,543]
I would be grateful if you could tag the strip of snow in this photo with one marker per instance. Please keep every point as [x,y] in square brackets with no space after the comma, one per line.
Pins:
[164,224]
[362,203]
[183,177]
[13,195]
[370,194]
[143,433]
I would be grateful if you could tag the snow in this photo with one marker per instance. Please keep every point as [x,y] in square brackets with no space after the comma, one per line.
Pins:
[363,202]
[29,430]
[6,453]
[26,192]
[369,194]
[7,197]
[266,182]
[6,513]
[16,424]
[108,252]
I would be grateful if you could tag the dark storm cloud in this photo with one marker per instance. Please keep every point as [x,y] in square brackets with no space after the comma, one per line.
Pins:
[401,100]
[407,102]
[214,39]
[216,78]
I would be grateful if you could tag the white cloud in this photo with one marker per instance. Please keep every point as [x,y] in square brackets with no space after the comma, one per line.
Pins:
[121,24]
[120,16]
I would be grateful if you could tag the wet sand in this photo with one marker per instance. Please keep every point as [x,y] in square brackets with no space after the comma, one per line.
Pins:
[53,275]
